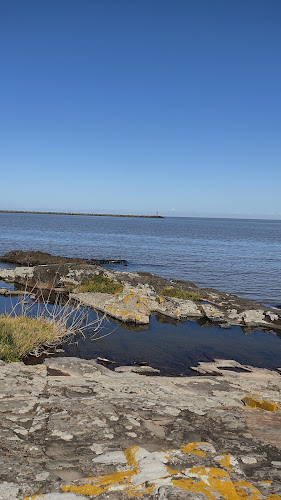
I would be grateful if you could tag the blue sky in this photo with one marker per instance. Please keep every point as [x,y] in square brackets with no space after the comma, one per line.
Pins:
[133,106]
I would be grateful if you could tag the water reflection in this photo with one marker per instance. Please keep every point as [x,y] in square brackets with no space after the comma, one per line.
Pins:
[172,348]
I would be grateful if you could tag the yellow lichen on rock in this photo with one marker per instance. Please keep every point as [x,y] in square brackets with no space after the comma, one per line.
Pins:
[210,482]
[225,461]
[247,491]
[195,448]
[85,489]
[258,403]
[130,455]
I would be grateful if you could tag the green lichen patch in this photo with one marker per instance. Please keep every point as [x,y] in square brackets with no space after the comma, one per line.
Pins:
[179,293]
[100,283]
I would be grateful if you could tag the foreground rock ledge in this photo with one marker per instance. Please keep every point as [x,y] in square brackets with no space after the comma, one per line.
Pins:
[74,429]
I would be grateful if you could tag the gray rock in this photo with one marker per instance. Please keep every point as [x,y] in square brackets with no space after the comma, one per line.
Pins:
[93,422]
[142,370]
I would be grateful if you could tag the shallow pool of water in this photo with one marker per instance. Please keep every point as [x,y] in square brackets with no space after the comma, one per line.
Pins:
[171,348]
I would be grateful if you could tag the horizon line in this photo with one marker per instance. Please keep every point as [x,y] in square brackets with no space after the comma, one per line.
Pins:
[141,216]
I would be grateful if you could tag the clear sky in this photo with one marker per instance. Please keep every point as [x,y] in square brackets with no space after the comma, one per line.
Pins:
[133,106]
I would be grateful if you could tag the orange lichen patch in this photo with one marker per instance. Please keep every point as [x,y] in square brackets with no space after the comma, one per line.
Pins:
[195,448]
[99,485]
[208,481]
[193,486]
[139,491]
[247,491]
[114,478]
[160,299]
[84,489]
[130,456]
[171,472]
[258,403]
[127,297]
[225,461]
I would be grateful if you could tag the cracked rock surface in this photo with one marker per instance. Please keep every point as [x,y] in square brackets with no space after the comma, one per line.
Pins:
[71,428]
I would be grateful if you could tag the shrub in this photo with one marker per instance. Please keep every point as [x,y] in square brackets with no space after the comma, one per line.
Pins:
[179,293]
[100,283]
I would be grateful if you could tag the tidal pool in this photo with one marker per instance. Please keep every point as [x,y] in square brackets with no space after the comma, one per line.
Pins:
[172,348]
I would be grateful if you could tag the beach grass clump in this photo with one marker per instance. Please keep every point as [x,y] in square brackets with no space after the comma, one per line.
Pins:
[100,283]
[21,335]
[179,293]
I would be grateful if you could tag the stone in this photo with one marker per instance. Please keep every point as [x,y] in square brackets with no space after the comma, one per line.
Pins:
[111,457]
[249,460]
[132,308]
[142,370]
[263,405]
[186,431]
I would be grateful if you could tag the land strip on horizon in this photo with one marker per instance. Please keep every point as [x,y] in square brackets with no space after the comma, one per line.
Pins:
[79,213]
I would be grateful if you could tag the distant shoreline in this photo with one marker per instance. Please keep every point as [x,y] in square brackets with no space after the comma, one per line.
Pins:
[78,213]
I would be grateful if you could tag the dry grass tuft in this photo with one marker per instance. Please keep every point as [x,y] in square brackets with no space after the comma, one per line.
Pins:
[21,335]
[32,328]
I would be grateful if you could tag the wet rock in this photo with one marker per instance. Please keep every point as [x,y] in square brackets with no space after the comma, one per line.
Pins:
[100,262]
[142,370]
[105,361]
[37,258]
[220,366]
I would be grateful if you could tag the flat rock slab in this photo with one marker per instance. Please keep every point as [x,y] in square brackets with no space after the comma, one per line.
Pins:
[71,428]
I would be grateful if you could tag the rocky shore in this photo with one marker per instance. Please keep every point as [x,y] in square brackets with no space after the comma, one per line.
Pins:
[142,294]
[73,429]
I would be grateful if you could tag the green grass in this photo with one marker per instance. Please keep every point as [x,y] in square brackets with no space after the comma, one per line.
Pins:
[20,335]
[179,293]
[100,283]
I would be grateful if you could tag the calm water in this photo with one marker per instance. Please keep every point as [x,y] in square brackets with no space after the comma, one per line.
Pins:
[170,348]
[240,256]
[234,255]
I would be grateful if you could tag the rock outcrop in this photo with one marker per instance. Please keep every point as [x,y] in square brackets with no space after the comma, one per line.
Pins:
[143,296]
[37,258]
[71,429]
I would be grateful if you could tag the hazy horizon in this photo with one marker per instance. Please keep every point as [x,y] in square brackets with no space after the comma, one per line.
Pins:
[124,212]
